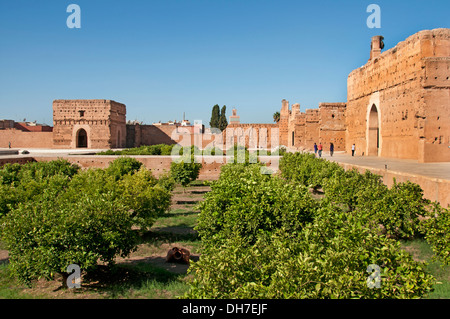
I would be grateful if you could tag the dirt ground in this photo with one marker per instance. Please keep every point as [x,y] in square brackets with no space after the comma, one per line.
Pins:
[3,256]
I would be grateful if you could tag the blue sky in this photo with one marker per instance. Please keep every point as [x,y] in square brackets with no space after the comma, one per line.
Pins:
[163,58]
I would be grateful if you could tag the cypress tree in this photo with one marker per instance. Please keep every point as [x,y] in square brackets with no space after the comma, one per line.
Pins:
[215,117]
[223,123]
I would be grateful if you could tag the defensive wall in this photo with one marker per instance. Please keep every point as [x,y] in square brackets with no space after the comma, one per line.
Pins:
[398,103]
[435,189]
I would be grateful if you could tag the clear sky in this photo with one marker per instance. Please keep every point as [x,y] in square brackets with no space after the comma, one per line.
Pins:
[162,58]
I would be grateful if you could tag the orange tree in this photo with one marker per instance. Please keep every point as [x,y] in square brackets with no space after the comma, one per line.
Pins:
[266,237]
[82,219]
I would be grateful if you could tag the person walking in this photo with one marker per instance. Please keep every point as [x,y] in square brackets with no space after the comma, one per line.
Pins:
[320,149]
[9,145]
[353,149]
[331,149]
[315,149]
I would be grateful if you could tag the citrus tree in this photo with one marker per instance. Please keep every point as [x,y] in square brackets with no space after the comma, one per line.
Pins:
[64,219]
[184,170]
[45,237]
[265,237]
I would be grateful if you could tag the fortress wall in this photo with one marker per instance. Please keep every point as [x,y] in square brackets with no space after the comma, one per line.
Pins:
[312,128]
[21,139]
[396,83]
[434,189]
[157,164]
[332,125]
[101,120]
[265,136]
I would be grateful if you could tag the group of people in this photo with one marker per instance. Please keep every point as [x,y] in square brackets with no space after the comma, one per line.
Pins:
[319,149]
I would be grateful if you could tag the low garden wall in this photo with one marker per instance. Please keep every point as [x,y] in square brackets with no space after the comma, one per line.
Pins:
[434,189]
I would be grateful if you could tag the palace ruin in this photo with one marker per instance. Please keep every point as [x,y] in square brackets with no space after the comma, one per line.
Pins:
[398,106]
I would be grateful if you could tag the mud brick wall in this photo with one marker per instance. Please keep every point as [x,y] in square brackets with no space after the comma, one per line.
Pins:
[16,160]
[312,128]
[253,136]
[332,125]
[434,188]
[20,139]
[323,125]
[283,124]
[117,120]
[103,121]
[409,87]
[295,135]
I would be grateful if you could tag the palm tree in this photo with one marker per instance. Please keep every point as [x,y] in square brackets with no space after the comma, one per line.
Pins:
[276,117]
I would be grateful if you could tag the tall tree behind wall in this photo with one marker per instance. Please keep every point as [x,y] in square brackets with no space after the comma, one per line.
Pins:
[215,116]
[223,123]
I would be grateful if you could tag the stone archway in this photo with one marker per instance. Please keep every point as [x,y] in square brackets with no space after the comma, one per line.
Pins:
[373,132]
[81,139]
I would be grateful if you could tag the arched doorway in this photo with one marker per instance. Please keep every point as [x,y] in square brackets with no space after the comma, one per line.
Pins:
[373,138]
[82,141]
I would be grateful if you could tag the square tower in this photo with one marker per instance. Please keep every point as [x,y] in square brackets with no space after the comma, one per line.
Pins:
[97,124]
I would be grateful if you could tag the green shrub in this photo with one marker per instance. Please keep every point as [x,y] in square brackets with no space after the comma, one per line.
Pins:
[139,191]
[327,258]
[20,183]
[9,174]
[166,181]
[166,149]
[142,194]
[245,202]
[45,237]
[184,170]
[51,168]
[279,151]
[399,210]
[58,220]
[122,166]
[159,149]
[12,174]
[306,169]
[241,155]
[436,227]
[264,237]
[351,188]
